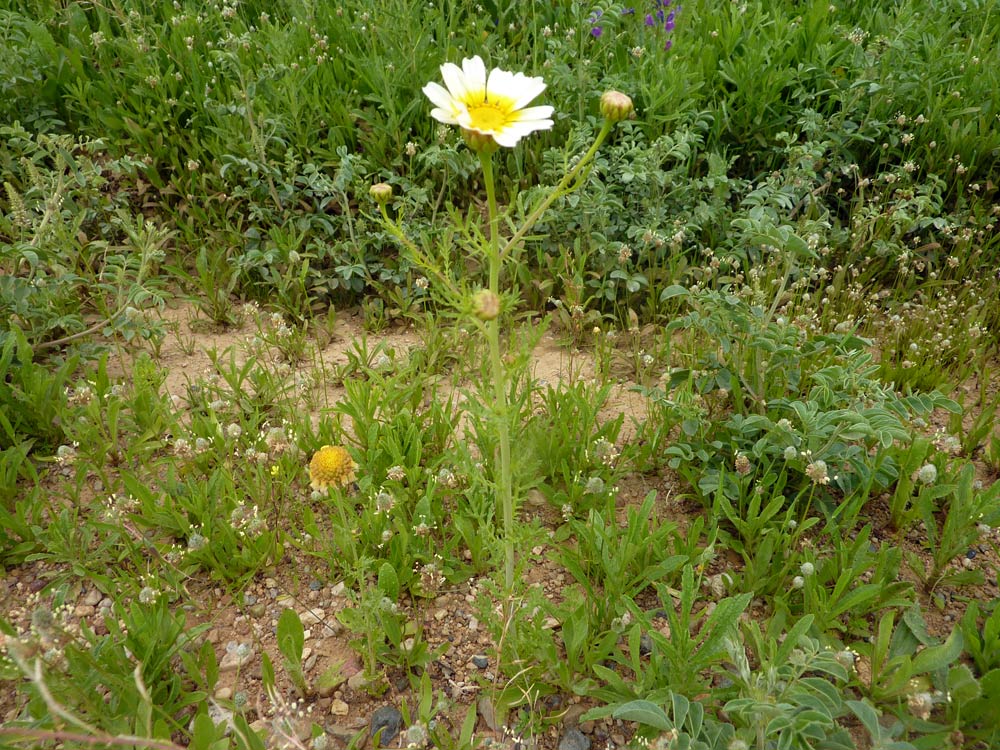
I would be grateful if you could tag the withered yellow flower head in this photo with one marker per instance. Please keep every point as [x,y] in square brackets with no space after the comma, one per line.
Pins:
[331,466]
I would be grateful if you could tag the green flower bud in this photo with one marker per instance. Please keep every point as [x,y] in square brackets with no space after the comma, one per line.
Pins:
[616,106]
[381,192]
[485,305]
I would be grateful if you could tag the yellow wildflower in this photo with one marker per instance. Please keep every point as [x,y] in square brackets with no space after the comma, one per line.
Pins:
[331,466]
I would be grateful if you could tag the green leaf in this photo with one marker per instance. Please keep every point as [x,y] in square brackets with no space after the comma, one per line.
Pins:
[331,677]
[203,736]
[675,290]
[388,581]
[962,684]
[867,715]
[792,639]
[721,622]
[291,636]
[938,657]
[644,712]
[855,599]
[266,671]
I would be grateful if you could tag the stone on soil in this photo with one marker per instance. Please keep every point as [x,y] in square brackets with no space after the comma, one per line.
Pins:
[388,720]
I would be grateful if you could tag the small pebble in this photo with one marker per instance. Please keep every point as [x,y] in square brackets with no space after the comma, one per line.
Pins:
[480,661]
[233,659]
[312,616]
[386,720]
[574,739]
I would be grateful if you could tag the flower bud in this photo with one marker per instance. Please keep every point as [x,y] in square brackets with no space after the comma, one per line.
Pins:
[481,143]
[485,305]
[381,192]
[616,106]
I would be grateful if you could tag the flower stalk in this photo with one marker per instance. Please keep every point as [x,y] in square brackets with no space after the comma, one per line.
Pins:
[501,410]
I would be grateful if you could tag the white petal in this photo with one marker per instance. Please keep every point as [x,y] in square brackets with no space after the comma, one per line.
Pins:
[439,96]
[508,138]
[454,79]
[443,115]
[475,73]
[526,128]
[525,89]
[501,85]
[535,114]
[515,132]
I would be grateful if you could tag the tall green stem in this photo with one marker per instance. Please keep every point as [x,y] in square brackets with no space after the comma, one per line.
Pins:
[501,412]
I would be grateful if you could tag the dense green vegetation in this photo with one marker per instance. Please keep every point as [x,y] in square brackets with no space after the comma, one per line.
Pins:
[789,256]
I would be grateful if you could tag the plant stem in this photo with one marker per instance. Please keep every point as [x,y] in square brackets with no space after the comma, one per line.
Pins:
[501,414]
[566,185]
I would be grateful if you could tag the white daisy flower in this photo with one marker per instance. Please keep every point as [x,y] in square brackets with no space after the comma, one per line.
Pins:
[493,105]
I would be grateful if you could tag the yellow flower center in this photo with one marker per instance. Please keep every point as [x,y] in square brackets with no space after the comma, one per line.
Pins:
[489,113]
[487,117]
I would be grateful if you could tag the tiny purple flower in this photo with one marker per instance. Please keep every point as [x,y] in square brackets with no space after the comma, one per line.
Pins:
[628,12]
[649,19]
[668,45]
[596,32]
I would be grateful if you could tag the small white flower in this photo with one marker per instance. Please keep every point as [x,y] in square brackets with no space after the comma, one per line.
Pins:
[817,472]
[927,474]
